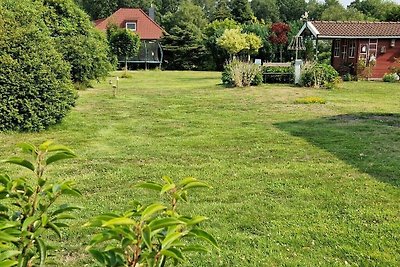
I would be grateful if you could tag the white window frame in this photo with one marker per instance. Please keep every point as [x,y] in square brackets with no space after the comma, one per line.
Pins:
[344,49]
[352,48]
[336,48]
[131,23]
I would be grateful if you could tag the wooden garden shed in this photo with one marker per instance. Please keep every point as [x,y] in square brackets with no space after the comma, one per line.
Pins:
[377,42]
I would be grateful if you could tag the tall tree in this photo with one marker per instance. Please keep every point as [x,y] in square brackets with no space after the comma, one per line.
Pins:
[291,9]
[207,6]
[183,46]
[279,36]
[241,11]
[123,43]
[186,13]
[212,32]
[103,8]
[393,14]
[263,31]
[376,9]
[81,45]
[315,9]
[266,10]
[222,10]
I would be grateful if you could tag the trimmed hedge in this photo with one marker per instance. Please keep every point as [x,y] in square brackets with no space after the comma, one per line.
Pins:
[35,86]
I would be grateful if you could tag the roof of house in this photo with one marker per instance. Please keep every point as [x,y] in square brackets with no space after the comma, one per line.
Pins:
[146,28]
[352,29]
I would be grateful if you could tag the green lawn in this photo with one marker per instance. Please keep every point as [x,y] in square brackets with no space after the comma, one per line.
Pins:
[293,185]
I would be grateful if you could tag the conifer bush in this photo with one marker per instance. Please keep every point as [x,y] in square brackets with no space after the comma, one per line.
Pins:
[36,90]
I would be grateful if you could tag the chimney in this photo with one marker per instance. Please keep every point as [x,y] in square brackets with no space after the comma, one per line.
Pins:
[152,12]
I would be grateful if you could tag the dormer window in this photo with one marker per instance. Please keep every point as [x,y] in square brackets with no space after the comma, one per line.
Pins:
[130,26]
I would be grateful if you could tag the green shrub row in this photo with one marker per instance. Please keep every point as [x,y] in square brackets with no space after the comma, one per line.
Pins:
[288,76]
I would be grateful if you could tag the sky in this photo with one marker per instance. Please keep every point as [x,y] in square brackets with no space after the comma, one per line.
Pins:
[347,2]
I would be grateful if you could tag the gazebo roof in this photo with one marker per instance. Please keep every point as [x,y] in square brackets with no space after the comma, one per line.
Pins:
[351,29]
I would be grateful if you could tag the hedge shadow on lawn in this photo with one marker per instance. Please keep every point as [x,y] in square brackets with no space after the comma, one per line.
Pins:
[368,141]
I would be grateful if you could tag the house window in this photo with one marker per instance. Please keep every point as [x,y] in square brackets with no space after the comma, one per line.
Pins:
[336,48]
[393,43]
[352,48]
[344,49]
[130,26]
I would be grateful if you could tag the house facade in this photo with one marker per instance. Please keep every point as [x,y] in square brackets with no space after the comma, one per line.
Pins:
[376,43]
[150,33]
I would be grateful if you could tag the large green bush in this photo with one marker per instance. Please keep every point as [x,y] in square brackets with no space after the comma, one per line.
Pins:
[35,86]
[318,75]
[84,47]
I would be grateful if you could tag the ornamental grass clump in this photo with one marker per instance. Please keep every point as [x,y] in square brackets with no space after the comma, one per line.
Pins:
[241,74]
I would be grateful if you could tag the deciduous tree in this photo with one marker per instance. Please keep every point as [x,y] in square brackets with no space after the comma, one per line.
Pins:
[233,41]
[124,43]
[279,36]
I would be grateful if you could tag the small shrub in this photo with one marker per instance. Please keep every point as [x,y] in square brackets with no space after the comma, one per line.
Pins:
[391,78]
[150,235]
[28,211]
[126,75]
[238,74]
[318,75]
[364,70]
[348,77]
[396,68]
[258,79]
[310,100]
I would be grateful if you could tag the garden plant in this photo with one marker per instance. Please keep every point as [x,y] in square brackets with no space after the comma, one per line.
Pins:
[150,234]
[28,211]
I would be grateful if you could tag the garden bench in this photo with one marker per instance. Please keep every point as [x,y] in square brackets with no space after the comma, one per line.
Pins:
[277,77]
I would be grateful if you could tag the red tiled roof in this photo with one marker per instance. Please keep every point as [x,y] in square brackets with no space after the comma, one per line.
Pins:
[356,29]
[146,28]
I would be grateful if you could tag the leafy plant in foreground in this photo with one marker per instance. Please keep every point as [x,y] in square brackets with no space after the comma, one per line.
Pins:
[150,235]
[27,210]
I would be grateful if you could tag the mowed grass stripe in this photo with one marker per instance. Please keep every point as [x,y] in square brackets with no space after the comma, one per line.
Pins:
[293,185]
